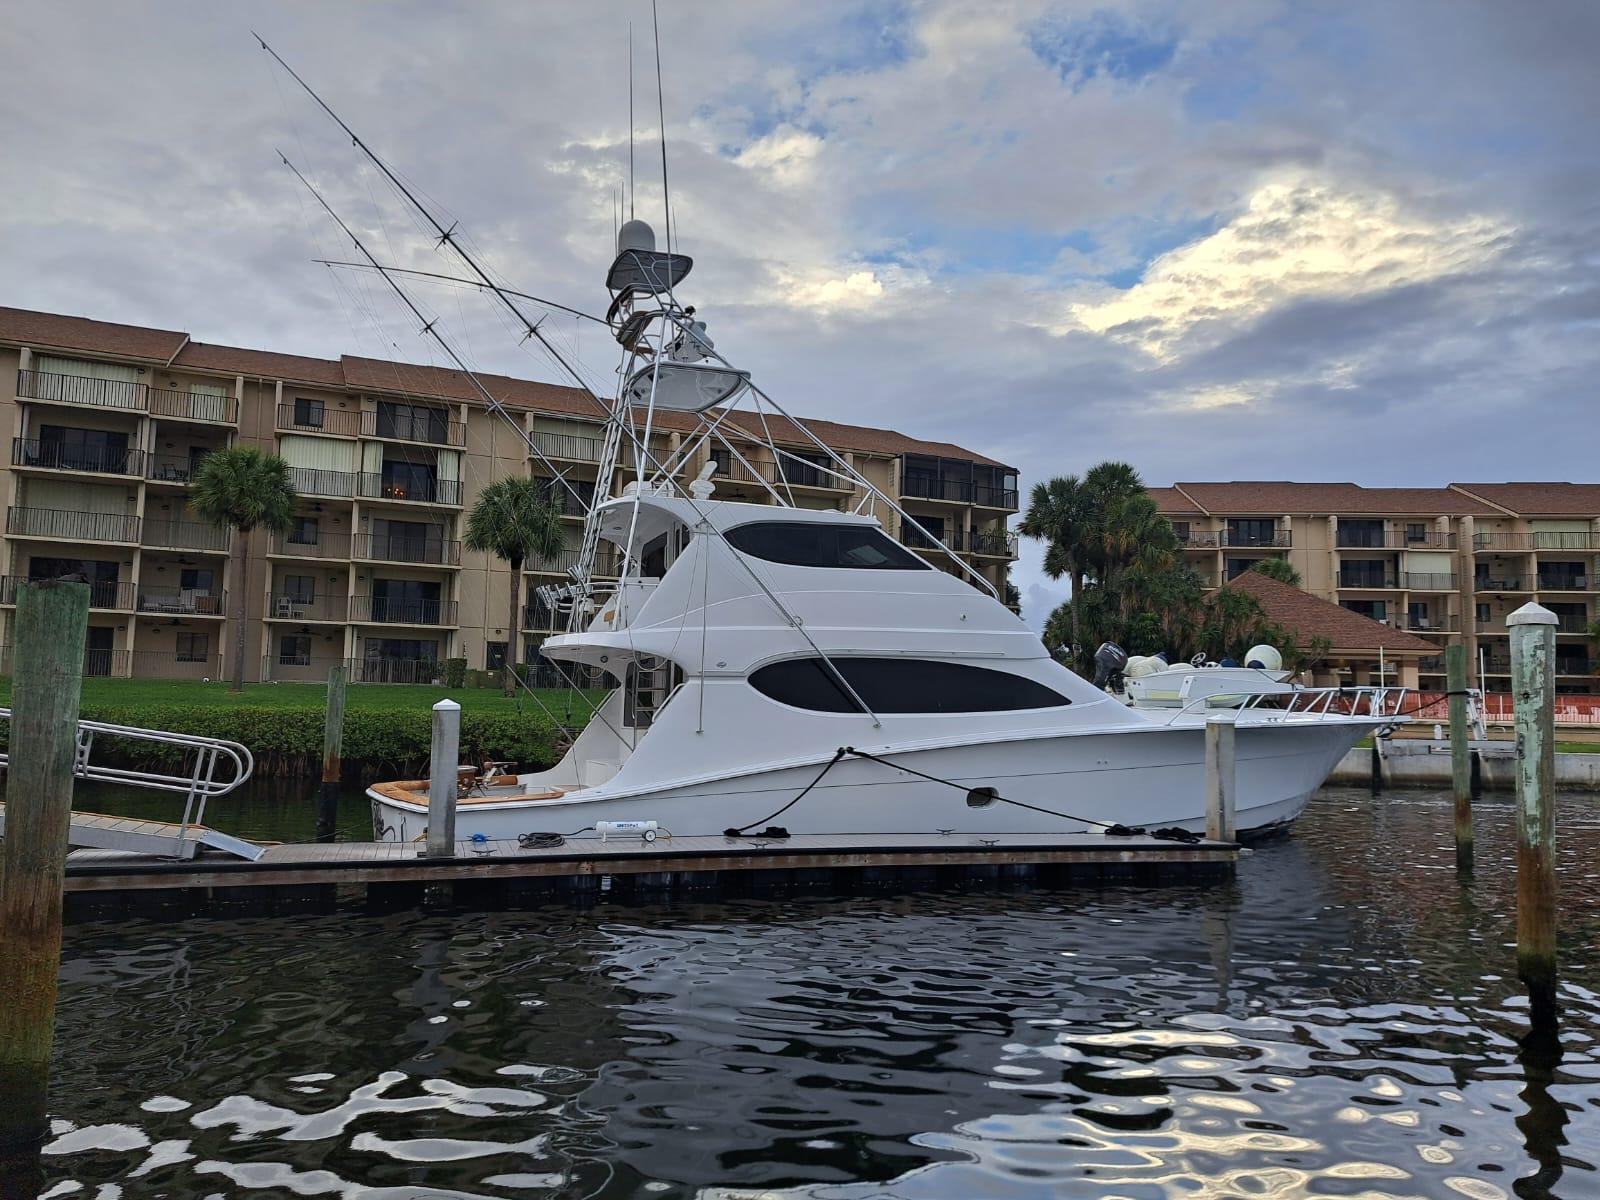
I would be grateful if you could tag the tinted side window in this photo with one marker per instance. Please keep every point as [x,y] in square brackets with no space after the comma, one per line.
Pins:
[901,685]
[809,544]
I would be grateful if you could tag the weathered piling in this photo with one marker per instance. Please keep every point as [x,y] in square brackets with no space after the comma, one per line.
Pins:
[1461,759]
[1220,794]
[332,756]
[443,779]
[1533,652]
[46,685]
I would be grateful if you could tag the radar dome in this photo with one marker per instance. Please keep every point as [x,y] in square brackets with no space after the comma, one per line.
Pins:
[635,235]
[1263,658]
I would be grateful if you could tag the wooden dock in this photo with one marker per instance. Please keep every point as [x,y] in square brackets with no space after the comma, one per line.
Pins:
[491,874]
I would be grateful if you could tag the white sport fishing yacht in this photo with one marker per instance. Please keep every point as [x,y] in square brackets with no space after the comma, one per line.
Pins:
[782,666]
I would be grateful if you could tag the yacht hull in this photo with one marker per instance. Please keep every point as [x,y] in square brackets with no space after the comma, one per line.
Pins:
[1151,776]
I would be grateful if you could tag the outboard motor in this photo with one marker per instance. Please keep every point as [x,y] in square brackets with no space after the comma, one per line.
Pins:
[1108,663]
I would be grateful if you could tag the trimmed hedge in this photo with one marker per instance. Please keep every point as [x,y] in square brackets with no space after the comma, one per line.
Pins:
[288,741]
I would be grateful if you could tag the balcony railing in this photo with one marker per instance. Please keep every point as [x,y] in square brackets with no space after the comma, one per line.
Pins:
[1393,539]
[959,491]
[194,406]
[58,456]
[81,389]
[1544,540]
[1429,581]
[70,525]
[1238,539]
[1200,539]
[326,607]
[314,481]
[182,601]
[1368,579]
[537,618]
[321,544]
[1500,583]
[186,535]
[1572,664]
[341,421]
[802,474]
[436,431]
[1572,623]
[995,545]
[173,468]
[1564,583]
[1445,624]
[1502,541]
[568,447]
[165,664]
[376,669]
[387,547]
[102,594]
[383,611]
[418,489]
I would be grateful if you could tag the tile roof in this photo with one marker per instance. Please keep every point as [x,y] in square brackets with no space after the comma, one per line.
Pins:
[357,374]
[1171,500]
[1311,616]
[1539,499]
[1281,497]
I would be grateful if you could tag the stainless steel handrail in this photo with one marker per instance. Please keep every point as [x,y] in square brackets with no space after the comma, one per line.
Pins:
[198,786]
[1303,703]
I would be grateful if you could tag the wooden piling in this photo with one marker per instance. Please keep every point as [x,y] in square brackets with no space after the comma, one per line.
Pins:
[332,756]
[46,686]
[1533,652]
[1220,796]
[1455,666]
[445,763]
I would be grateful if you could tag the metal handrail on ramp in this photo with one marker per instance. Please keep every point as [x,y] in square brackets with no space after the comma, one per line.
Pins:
[198,786]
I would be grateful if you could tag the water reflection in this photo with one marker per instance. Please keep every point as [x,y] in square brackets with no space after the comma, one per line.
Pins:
[1345,1021]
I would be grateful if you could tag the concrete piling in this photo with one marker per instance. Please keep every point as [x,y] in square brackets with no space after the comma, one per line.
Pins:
[47,684]
[1220,770]
[1533,651]
[443,779]
[332,756]
[1461,756]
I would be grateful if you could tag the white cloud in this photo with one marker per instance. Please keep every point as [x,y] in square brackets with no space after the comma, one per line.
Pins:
[1296,239]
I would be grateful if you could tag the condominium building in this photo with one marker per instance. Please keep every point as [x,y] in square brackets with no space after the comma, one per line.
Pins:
[109,423]
[1448,564]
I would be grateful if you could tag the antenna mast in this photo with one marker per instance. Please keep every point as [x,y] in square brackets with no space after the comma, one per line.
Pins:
[632,190]
[661,116]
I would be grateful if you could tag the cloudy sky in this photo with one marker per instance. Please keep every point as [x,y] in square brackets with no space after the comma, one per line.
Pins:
[1252,239]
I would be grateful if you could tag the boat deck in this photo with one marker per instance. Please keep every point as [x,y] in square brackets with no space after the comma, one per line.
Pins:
[489,873]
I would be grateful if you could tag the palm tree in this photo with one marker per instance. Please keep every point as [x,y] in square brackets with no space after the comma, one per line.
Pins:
[1279,569]
[514,519]
[1060,515]
[243,489]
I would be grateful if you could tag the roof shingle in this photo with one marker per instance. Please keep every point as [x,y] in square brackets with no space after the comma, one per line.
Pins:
[1311,616]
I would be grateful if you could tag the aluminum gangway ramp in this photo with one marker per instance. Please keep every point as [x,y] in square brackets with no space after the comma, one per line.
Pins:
[199,782]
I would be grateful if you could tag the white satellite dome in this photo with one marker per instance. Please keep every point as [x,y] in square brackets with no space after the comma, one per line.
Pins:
[635,235]
[1264,658]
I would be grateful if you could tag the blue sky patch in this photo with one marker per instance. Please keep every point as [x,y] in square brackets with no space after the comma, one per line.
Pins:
[1102,44]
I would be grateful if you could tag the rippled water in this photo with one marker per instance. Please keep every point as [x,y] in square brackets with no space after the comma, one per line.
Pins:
[1342,1022]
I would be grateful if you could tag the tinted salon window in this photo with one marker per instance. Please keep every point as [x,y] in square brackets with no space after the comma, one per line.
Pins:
[813,544]
[901,685]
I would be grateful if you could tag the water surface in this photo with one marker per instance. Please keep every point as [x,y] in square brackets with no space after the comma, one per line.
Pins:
[1344,1021]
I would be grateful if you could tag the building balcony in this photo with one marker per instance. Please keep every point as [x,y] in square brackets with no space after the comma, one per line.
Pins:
[1368,581]
[1392,539]
[1443,624]
[987,544]
[1278,539]
[71,525]
[182,601]
[411,489]
[566,447]
[56,456]
[314,481]
[1428,581]
[379,610]
[326,608]
[809,475]
[384,547]
[340,422]
[605,563]
[111,596]
[538,618]
[1200,539]
[186,535]
[1574,665]
[1573,623]
[432,430]
[204,407]
[177,469]
[1577,540]
[1501,583]
[83,390]
[1565,583]
[322,544]
[1502,541]
[957,491]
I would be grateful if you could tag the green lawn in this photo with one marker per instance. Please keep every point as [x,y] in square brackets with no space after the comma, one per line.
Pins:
[362,697]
